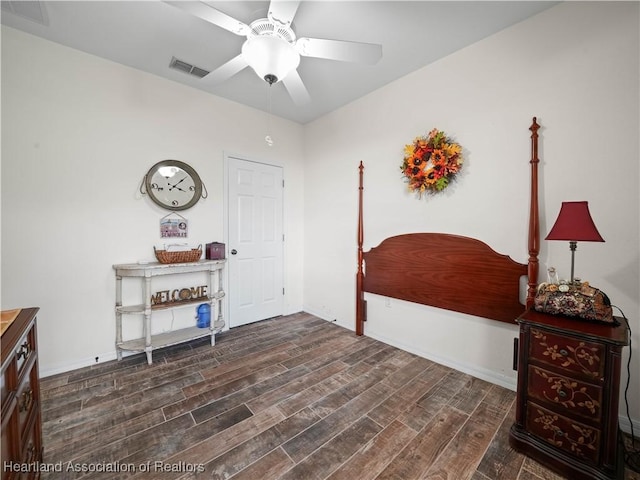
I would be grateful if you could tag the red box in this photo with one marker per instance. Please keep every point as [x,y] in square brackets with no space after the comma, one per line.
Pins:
[214,251]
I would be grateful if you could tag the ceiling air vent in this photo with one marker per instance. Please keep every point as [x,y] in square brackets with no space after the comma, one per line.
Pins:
[187,68]
[34,11]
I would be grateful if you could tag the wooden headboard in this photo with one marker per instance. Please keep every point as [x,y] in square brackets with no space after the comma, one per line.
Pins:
[447,271]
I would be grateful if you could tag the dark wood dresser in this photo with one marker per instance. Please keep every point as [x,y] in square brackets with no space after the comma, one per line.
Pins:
[21,440]
[568,392]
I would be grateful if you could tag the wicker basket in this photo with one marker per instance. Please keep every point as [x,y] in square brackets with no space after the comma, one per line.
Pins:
[192,255]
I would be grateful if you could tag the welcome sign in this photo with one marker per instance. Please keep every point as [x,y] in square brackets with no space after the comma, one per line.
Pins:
[179,295]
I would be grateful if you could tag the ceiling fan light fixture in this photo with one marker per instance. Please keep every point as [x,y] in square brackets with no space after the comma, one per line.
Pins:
[270,56]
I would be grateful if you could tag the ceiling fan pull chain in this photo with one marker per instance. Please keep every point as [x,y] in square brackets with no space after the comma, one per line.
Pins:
[268,137]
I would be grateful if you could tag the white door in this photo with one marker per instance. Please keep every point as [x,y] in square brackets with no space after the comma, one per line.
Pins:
[255,241]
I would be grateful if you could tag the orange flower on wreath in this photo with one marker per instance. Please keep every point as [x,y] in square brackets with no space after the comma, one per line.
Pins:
[431,162]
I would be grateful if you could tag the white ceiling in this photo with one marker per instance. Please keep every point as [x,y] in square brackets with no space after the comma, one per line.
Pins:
[146,35]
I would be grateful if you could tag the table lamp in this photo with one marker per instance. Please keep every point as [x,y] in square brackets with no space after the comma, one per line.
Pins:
[574,223]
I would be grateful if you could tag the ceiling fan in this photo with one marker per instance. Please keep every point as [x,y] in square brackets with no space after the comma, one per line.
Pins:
[272,48]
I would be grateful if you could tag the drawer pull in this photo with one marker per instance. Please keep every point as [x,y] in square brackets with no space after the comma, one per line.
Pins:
[564,353]
[26,400]
[24,350]
[562,393]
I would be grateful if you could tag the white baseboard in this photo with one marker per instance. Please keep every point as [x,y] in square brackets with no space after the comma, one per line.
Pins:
[473,370]
[82,363]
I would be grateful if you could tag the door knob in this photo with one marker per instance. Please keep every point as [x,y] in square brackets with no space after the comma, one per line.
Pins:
[234,251]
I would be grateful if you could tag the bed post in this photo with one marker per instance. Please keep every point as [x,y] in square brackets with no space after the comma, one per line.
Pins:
[534,219]
[360,274]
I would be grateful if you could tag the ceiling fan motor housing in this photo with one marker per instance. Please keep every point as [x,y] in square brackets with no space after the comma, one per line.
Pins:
[264,26]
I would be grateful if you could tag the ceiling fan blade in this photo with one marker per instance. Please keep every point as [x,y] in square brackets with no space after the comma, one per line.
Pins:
[340,50]
[282,12]
[212,15]
[293,83]
[226,70]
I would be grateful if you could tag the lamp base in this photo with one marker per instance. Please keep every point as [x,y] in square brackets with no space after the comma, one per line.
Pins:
[572,246]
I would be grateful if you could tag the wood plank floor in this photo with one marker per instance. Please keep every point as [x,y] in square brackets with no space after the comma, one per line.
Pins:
[294,397]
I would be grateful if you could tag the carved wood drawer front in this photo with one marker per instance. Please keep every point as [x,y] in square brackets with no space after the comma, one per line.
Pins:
[573,437]
[571,396]
[26,396]
[25,350]
[30,442]
[586,359]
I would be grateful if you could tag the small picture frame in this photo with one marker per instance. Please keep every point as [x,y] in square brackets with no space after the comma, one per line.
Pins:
[174,226]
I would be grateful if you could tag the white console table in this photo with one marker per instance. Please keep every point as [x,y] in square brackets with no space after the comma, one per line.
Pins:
[146,272]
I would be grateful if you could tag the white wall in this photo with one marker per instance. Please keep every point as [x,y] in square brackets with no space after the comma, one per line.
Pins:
[78,135]
[575,67]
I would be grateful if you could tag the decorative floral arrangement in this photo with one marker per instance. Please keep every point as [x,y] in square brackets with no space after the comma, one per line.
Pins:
[431,163]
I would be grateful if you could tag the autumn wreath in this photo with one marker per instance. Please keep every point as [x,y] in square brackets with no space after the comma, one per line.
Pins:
[431,162]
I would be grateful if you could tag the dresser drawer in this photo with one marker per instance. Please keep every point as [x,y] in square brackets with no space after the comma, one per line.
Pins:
[572,355]
[32,449]
[574,438]
[569,396]
[27,398]
[25,350]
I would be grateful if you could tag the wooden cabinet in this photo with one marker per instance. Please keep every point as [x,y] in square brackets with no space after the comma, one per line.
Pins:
[145,272]
[568,393]
[21,441]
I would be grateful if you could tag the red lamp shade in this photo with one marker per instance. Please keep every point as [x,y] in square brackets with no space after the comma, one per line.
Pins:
[574,223]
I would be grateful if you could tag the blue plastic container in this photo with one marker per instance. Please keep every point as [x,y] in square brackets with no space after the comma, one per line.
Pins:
[204,315]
